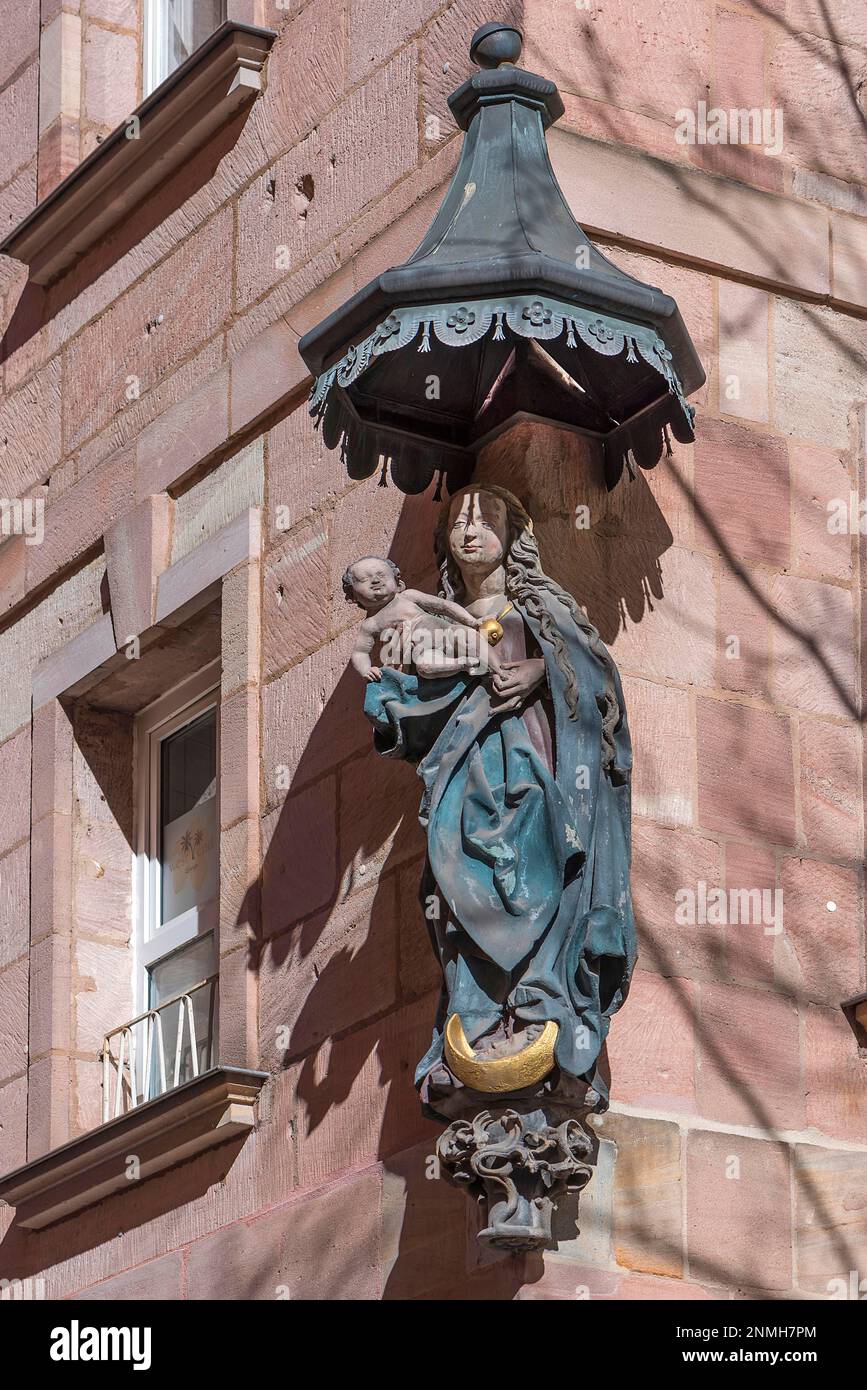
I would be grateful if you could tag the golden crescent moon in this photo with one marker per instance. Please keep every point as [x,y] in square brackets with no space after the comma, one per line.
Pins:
[523,1068]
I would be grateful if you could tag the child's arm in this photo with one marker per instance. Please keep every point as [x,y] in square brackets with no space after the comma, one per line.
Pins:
[360,658]
[432,603]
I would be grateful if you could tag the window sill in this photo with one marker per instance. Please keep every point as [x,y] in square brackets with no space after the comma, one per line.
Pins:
[174,122]
[202,1113]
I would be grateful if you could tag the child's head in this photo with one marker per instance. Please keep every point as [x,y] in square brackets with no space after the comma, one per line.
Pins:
[372,582]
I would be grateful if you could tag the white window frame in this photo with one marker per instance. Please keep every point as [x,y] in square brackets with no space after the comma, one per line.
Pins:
[153,942]
[155,31]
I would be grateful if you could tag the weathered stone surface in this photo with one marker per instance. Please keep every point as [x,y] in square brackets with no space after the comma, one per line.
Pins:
[675,638]
[313,719]
[18,116]
[128,349]
[299,845]
[302,473]
[830,802]
[14,904]
[420,970]
[21,37]
[14,790]
[814,645]
[102,994]
[850,252]
[745,772]
[13,1130]
[183,435]
[738,1211]
[664,864]
[338,969]
[651,1049]
[424,1226]
[660,722]
[161,1280]
[742,493]
[356,1098]
[830,1220]
[836,1094]
[743,349]
[744,638]
[819,953]
[748,1075]
[822,123]
[30,432]
[717,222]
[136,552]
[326,180]
[13,1019]
[377,832]
[648,1200]
[110,75]
[752,869]
[656,62]
[324,1247]
[296,598]
[820,479]
[818,372]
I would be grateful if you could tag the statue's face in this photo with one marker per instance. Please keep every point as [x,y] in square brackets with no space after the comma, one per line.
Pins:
[373,583]
[478,531]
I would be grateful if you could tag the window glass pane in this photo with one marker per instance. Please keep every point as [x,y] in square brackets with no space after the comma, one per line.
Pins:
[188,832]
[173,30]
[168,978]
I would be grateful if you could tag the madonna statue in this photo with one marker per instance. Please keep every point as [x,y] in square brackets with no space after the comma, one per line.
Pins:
[526,807]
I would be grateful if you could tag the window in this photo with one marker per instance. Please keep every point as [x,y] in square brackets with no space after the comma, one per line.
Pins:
[177,883]
[173,29]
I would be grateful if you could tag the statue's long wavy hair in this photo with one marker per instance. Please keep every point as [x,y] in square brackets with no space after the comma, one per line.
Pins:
[526,583]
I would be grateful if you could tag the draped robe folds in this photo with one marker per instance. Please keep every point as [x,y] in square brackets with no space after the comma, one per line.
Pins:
[529,866]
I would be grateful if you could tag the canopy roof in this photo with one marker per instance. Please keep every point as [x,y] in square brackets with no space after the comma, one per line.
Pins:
[505,311]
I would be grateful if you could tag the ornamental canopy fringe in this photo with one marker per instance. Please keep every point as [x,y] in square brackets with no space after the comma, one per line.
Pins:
[505,312]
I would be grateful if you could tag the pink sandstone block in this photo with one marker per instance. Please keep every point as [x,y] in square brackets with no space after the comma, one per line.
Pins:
[13,1131]
[651,1047]
[377,832]
[126,348]
[829,780]
[665,862]
[21,37]
[742,493]
[751,868]
[14,904]
[300,856]
[749,1075]
[263,373]
[745,771]
[819,954]
[835,1088]
[184,435]
[743,351]
[137,549]
[661,725]
[814,646]
[820,479]
[356,1100]
[744,633]
[739,1226]
[336,971]
[13,1019]
[296,597]
[160,1280]
[323,1246]
[14,790]
[110,74]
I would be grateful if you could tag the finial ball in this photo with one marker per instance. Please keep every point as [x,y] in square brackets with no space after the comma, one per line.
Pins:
[495,44]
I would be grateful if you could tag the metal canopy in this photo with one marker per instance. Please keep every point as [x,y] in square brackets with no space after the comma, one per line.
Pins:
[504,312]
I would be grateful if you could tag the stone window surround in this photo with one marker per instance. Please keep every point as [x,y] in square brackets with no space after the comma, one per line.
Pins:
[147,595]
[80,199]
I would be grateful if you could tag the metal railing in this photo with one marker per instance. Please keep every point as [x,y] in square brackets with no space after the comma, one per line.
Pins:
[138,1068]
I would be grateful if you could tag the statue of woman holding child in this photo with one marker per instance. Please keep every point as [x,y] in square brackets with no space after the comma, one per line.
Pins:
[525,761]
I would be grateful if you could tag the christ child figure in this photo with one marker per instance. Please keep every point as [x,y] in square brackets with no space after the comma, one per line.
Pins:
[433,635]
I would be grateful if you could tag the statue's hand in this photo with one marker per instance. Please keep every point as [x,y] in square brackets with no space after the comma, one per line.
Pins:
[515,681]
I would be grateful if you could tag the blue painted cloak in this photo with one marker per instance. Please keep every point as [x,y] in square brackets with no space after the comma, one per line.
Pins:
[531,868]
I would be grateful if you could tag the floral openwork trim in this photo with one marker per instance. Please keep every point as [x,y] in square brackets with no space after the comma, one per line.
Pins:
[457,325]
